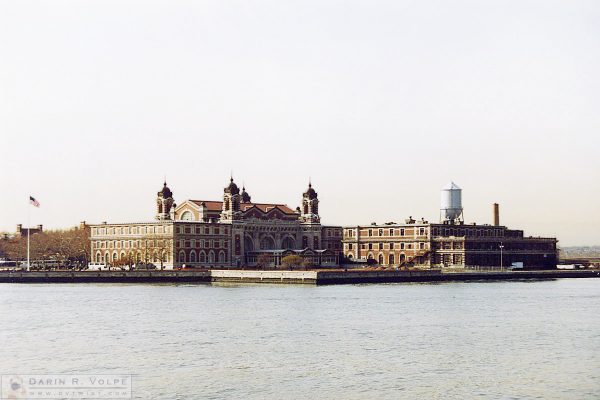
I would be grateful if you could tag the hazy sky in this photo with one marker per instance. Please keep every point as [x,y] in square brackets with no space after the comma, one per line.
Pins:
[381,102]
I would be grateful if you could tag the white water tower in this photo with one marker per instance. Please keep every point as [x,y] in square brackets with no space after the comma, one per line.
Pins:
[451,209]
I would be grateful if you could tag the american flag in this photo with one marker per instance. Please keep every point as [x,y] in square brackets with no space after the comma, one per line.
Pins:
[33,202]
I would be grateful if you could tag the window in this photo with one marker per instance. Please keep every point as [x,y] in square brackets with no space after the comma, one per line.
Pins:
[402,232]
[370,232]
[370,246]
[381,232]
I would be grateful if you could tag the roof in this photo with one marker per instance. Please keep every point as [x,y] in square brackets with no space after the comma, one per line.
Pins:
[210,205]
[451,186]
[264,207]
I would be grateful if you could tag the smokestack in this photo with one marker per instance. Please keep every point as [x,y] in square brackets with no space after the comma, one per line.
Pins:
[496,214]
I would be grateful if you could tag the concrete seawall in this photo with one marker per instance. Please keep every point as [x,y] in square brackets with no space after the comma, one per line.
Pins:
[104,276]
[327,277]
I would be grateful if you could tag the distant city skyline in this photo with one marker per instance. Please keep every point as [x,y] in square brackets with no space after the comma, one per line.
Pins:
[381,105]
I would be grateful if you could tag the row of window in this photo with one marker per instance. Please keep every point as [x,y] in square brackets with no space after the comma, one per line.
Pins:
[198,230]
[391,246]
[388,232]
[201,257]
[203,243]
[135,258]
[468,232]
[391,258]
[129,244]
[131,230]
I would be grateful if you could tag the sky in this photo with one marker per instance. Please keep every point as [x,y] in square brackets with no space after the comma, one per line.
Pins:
[380,103]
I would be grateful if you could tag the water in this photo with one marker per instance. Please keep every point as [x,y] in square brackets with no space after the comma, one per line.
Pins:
[488,340]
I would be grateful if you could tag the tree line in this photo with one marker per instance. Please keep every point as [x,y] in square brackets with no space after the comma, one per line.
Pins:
[65,247]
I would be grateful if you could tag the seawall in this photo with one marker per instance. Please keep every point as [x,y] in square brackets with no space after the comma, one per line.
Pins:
[323,277]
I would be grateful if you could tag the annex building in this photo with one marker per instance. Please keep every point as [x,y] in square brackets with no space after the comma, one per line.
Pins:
[232,232]
[450,243]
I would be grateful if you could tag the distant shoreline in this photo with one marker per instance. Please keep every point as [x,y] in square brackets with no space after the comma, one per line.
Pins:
[314,277]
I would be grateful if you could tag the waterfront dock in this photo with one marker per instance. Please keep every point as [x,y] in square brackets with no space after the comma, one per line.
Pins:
[314,277]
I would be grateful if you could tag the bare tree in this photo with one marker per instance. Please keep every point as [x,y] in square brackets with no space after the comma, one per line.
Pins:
[292,261]
[263,261]
[71,246]
[155,248]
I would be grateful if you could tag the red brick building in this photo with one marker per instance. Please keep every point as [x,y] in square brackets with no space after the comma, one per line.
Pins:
[233,232]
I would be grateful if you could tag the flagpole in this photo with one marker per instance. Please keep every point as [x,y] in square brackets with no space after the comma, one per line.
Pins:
[28,232]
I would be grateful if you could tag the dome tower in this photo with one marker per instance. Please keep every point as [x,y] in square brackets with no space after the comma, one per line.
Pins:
[310,206]
[164,202]
[231,202]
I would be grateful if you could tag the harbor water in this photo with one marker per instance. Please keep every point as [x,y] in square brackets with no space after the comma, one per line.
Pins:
[451,340]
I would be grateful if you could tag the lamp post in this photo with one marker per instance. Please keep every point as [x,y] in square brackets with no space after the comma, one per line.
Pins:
[501,263]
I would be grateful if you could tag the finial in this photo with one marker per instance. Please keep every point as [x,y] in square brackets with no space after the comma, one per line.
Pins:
[309,182]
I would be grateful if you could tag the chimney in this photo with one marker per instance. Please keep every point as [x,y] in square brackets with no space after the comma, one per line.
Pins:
[39,227]
[19,228]
[496,214]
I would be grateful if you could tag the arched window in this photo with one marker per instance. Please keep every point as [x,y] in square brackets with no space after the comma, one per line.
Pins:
[187,216]
[211,256]
[288,243]
[182,256]
[305,208]
[391,259]
[202,257]
[350,256]
[380,259]
[115,256]
[193,256]
[248,244]
[221,256]
[402,257]
[267,243]
[98,257]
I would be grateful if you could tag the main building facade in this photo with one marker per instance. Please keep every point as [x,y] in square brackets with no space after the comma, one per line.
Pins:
[233,232]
